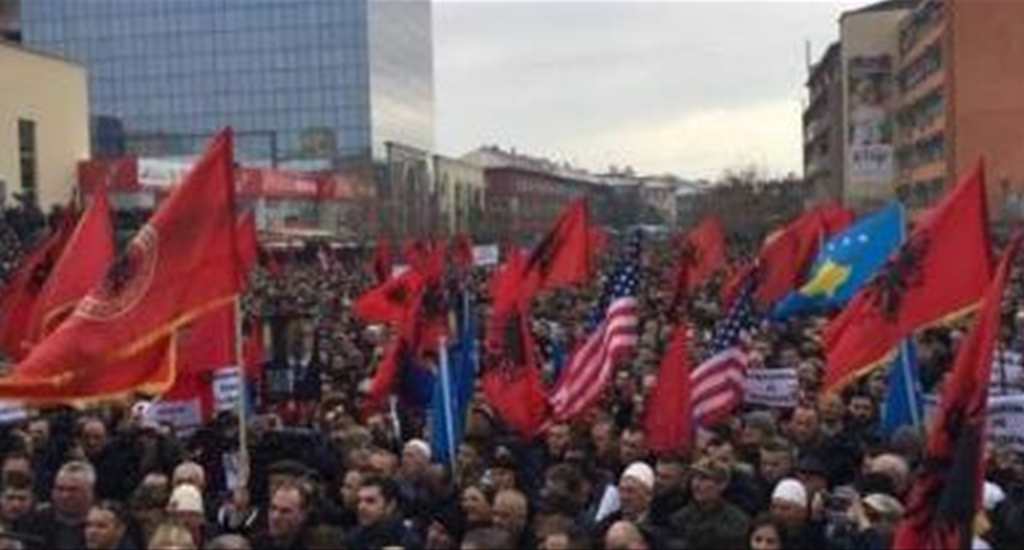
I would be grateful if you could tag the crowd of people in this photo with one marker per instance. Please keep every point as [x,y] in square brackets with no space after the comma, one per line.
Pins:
[319,471]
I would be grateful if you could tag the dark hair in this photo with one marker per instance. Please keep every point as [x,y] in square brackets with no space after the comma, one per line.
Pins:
[305,491]
[489,537]
[18,481]
[387,487]
[764,519]
[116,508]
[777,445]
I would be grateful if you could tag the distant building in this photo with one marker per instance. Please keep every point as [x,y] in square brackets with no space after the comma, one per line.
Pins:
[461,189]
[960,79]
[307,84]
[824,133]
[44,124]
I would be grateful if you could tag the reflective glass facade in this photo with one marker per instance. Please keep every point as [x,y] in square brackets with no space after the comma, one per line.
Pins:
[292,76]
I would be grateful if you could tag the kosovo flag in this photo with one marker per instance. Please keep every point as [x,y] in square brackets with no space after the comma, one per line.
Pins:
[846,263]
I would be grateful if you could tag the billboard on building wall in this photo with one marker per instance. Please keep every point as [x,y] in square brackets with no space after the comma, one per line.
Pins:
[870,89]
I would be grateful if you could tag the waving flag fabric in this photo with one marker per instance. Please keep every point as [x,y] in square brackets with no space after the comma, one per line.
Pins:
[846,263]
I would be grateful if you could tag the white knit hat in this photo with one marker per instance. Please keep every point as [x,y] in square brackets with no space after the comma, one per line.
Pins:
[421,446]
[790,490]
[641,472]
[992,495]
[186,498]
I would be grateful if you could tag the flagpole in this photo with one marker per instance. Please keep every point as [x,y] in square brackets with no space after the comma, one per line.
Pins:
[243,390]
[446,395]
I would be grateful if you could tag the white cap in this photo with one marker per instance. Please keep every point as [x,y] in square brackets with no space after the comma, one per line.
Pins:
[792,491]
[186,498]
[640,472]
[992,496]
[420,445]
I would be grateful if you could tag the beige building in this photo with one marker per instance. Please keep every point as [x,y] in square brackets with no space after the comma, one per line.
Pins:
[870,51]
[460,188]
[44,124]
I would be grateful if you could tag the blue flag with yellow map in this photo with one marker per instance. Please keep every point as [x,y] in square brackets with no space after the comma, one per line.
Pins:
[846,262]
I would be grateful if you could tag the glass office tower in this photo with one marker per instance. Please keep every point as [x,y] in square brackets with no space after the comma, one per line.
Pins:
[305,83]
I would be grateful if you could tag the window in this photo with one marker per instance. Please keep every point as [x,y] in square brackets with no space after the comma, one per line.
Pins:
[27,154]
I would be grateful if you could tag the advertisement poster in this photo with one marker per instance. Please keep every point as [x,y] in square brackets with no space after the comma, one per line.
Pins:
[870,134]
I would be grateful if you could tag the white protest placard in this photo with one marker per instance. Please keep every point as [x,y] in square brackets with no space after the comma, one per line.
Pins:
[185,415]
[12,412]
[485,255]
[227,387]
[1005,418]
[1007,373]
[772,387]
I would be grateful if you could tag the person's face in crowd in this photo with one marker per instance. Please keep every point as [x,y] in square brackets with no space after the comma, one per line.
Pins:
[558,439]
[624,536]
[751,439]
[775,465]
[790,514]
[17,466]
[15,504]
[438,538]
[287,515]
[468,458]
[555,541]
[510,513]
[632,446]
[862,410]
[723,453]
[634,498]
[157,481]
[503,478]
[72,495]
[669,476]
[190,476]
[383,464]
[706,490]
[601,436]
[414,463]
[475,506]
[103,531]
[39,431]
[804,425]
[877,385]
[373,508]
[350,489]
[766,537]
[148,519]
[832,409]
[94,437]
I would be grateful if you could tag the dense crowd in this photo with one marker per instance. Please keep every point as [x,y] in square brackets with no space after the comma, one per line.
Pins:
[323,473]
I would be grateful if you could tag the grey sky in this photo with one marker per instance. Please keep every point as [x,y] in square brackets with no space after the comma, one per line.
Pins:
[683,87]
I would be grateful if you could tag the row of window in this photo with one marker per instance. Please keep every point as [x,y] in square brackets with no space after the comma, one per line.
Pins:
[922,113]
[925,65]
[925,151]
[919,23]
[921,194]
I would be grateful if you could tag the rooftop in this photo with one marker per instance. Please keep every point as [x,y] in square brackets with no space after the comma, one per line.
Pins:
[885,5]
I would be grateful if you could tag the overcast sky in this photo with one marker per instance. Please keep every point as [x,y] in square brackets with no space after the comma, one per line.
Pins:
[690,88]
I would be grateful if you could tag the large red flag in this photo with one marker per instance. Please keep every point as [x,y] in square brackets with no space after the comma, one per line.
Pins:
[182,263]
[668,415]
[939,273]
[81,266]
[511,381]
[18,298]
[392,301]
[462,251]
[786,257]
[946,495]
[703,253]
[564,256]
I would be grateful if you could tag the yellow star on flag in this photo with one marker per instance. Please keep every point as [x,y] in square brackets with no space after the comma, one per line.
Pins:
[827,280]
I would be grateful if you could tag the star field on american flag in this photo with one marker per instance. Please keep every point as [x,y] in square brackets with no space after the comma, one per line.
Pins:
[740,318]
[623,283]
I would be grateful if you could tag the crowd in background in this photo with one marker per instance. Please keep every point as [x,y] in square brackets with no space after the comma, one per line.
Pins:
[324,473]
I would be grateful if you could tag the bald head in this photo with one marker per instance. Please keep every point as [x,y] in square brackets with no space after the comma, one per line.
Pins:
[624,535]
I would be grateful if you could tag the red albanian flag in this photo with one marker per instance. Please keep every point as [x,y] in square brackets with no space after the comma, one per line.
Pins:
[180,265]
[563,257]
[946,496]
[940,273]
[668,414]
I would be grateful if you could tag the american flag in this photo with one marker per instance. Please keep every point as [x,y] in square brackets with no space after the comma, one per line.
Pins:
[614,334]
[717,384]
